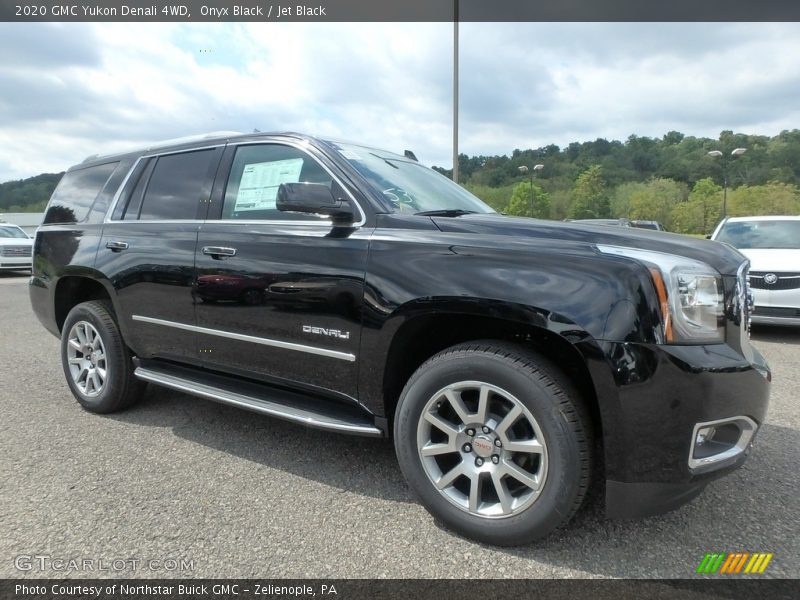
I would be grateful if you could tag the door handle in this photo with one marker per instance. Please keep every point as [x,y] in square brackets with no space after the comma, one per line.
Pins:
[219,251]
[116,246]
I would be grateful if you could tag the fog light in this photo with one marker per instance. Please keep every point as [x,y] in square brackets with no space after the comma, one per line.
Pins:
[716,444]
[706,434]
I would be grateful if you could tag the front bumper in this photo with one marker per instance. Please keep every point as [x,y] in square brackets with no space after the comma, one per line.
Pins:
[776,316]
[776,307]
[663,393]
[16,263]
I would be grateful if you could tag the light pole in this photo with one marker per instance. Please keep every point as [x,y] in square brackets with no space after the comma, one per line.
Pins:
[455,91]
[524,169]
[717,154]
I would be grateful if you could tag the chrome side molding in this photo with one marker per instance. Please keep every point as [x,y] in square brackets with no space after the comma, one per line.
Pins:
[249,338]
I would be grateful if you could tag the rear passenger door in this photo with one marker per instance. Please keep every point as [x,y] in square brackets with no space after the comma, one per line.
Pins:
[148,248]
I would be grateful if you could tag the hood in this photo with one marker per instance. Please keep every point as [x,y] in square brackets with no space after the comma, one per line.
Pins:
[775,260]
[722,257]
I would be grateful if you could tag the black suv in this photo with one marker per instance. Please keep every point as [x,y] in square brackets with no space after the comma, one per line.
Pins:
[352,289]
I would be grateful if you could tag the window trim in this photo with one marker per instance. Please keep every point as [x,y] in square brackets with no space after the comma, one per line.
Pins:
[121,189]
[298,146]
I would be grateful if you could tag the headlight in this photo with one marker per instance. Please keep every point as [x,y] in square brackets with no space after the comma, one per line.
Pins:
[689,293]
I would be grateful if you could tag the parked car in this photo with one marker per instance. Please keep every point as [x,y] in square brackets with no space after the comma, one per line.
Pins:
[15,248]
[511,360]
[773,246]
[655,225]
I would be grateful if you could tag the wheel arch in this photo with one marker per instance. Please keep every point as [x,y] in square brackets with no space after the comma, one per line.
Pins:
[423,329]
[73,288]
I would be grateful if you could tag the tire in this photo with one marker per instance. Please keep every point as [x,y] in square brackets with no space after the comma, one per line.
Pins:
[525,491]
[91,344]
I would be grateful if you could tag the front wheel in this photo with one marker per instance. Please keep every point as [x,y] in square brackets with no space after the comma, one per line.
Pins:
[96,361]
[495,442]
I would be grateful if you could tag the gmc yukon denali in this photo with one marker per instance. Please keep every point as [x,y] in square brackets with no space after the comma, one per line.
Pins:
[512,361]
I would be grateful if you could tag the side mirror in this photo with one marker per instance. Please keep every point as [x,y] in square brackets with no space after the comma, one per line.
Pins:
[314,198]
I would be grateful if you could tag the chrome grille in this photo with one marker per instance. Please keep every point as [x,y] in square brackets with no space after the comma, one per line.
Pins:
[769,280]
[744,299]
[9,251]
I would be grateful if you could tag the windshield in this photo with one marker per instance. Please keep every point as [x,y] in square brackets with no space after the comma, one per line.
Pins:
[761,234]
[12,231]
[408,186]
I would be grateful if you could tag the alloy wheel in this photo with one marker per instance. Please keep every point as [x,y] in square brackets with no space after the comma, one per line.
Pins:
[86,356]
[482,449]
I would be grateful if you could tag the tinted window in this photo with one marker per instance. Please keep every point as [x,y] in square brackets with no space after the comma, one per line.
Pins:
[255,175]
[131,212]
[761,234]
[76,192]
[178,185]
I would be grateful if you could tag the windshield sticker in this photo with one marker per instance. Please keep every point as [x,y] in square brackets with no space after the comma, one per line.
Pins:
[258,187]
[350,155]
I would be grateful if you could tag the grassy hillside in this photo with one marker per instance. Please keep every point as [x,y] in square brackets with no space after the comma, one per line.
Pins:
[28,195]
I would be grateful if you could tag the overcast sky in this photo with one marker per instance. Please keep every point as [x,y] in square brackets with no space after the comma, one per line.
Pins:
[70,90]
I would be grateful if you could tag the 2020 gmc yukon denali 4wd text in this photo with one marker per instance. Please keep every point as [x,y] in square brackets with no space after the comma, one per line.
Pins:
[352,289]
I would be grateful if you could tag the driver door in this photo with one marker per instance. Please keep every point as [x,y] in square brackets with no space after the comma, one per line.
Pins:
[278,295]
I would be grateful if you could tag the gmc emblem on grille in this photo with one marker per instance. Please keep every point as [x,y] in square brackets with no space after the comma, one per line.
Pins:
[770,279]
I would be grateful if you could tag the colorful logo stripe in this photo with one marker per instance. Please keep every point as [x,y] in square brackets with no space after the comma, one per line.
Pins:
[735,563]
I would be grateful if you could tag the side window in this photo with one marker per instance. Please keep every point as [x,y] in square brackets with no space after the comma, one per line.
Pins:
[176,188]
[255,175]
[131,211]
[76,192]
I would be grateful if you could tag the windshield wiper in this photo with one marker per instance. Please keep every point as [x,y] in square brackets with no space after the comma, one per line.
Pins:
[446,212]
[384,160]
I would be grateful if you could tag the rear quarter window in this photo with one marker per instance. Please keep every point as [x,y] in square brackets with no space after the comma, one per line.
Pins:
[76,192]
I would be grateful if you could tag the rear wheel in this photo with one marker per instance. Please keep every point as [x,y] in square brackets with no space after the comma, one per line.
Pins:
[96,362]
[495,442]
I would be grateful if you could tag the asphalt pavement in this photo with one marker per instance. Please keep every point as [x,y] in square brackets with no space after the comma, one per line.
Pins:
[178,486]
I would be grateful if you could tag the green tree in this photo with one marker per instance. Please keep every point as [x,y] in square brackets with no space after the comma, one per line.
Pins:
[702,211]
[770,199]
[656,199]
[529,201]
[560,202]
[590,196]
[622,198]
[496,197]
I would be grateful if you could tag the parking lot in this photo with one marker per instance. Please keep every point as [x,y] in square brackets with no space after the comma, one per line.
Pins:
[242,495]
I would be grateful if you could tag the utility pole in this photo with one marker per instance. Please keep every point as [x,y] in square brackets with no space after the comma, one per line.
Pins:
[455,91]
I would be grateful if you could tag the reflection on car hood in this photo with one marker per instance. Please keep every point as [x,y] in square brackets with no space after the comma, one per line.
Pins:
[773,259]
[494,228]
[16,241]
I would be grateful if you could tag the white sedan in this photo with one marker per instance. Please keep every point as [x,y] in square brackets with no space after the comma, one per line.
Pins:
[773,246]
[15,248]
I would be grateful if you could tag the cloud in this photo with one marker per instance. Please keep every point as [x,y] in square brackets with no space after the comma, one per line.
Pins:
[70,90]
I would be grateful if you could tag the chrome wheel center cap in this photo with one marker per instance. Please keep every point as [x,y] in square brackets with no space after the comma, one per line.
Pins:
[483,446]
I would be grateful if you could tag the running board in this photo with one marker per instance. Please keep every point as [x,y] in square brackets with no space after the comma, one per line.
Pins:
[283,404]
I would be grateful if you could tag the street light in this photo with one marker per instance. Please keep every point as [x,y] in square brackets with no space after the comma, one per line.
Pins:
[524,169]
[717,154]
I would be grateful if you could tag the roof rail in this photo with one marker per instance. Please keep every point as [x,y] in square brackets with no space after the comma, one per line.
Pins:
[176,141]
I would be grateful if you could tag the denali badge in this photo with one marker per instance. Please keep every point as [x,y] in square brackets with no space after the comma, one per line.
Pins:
[342,335]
